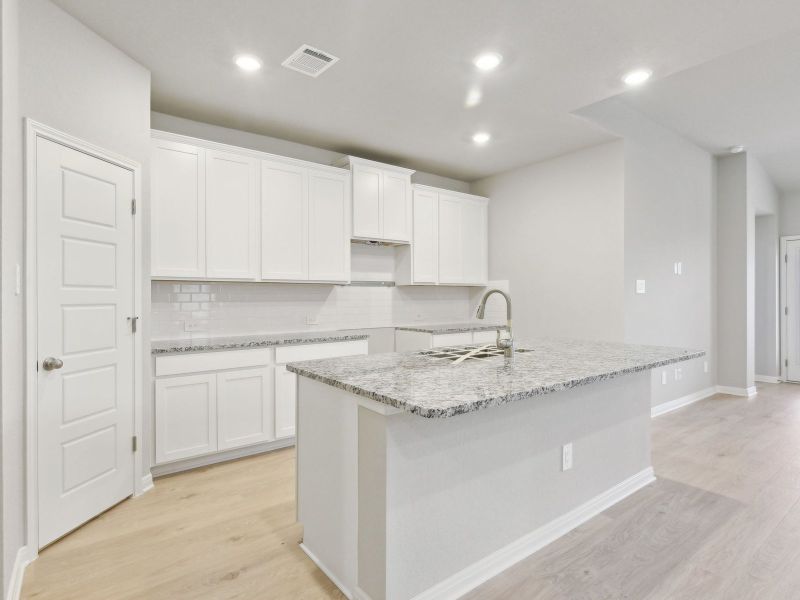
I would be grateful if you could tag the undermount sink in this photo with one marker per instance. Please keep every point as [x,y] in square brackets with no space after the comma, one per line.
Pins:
[470,352]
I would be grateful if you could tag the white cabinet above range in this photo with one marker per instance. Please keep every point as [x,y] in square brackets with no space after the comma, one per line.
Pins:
[381,200]
[226,213]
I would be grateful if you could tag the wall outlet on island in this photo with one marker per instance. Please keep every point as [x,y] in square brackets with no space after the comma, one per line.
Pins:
[663,378]
[566,457]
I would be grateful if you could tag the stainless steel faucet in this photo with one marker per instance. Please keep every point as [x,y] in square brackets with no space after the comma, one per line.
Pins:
[505,344]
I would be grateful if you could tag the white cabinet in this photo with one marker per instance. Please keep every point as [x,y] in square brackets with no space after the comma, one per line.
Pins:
[408,341]
[245,407]
[286,400]
[186,416]
[304,223]
[450,240]
[207,403]
[328,226]
[284,221]
[178,210]
[381,200]
[231,241]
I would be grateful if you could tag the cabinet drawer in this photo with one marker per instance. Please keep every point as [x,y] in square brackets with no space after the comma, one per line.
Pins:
[288,354]
[177,364]
[452,339]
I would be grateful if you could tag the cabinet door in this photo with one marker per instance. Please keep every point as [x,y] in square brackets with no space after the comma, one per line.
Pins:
[245,407]
[177,210]
[328,231]
[285,402]
[367,205]
[474,241]
[450,240]
[425,257]
[396,197]
[186,417]
[231,216]
[284,230]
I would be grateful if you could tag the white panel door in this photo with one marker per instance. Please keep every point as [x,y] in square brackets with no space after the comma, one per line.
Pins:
[186,416]
[284,221]
[285,402]
[425,250]
[367,204]
[177,210]
[231,216]
[451,259]
[396,196]
[328,231]
[245,407]
[793,304]
[473,241]
[85,295]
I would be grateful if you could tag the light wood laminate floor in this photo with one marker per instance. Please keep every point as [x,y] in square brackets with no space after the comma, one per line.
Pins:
[721,522]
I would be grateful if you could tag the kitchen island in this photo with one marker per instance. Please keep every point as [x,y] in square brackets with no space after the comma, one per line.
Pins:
[421,477]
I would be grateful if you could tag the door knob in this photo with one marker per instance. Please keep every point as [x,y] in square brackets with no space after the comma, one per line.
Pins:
[51,363]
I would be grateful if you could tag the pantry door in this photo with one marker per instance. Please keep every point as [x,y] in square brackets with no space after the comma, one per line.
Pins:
[84,335]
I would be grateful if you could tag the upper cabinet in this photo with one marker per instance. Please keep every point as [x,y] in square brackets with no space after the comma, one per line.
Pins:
[178,210]
[220,212]
[305,232]
[381,200]
[450,240]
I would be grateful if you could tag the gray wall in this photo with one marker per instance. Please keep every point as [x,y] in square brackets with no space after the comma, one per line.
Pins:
[669,217]
[736,274]
[767,337]
[789,222]
[73,80]
[556,234]
[273,145]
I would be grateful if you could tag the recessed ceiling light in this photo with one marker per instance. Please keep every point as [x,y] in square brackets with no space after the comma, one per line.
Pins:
[736,149]
[474,97]
[481,138]
[246,62]
[488,61]
[637,77]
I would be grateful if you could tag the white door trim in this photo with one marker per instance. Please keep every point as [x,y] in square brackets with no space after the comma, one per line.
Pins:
[782,308]
[34,130]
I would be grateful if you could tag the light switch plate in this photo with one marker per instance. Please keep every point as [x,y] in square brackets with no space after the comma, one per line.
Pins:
[663,378]
[641,286]
[566,457]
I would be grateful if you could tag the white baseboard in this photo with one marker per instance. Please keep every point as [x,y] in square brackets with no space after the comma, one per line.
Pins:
[737,391]
[477,573]
[767,379]
[18,574]
[145,485]
[218,457]
[350,595]
[666,407]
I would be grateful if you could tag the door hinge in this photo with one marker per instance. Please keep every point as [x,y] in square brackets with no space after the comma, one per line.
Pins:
[133,206]
[133,321]
[786,362]
[786,310]
[786,258]
[135,443]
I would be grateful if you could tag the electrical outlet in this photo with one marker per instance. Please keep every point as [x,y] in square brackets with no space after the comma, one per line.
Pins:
[312,320]
[641,286]
[566,457]
[680,268]
[705,366]
[193,324]
[663,378]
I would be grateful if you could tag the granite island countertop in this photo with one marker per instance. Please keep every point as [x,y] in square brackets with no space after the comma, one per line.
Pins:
[241,342]
[433,387]
[439,329]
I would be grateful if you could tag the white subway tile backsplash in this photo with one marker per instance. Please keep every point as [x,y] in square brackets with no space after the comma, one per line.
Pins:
[228,308]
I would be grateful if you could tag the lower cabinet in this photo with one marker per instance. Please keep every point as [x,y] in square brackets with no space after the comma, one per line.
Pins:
[186,416]
[211,402]
[286,395]
[245,407]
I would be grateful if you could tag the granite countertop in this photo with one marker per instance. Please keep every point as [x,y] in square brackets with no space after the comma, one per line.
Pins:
[452,327]
[251,341]
[431,387]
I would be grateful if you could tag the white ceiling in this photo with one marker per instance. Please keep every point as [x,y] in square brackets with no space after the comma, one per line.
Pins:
[750,97]
[398,91]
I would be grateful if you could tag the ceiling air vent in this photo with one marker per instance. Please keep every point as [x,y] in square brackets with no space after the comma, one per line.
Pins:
[309,61]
